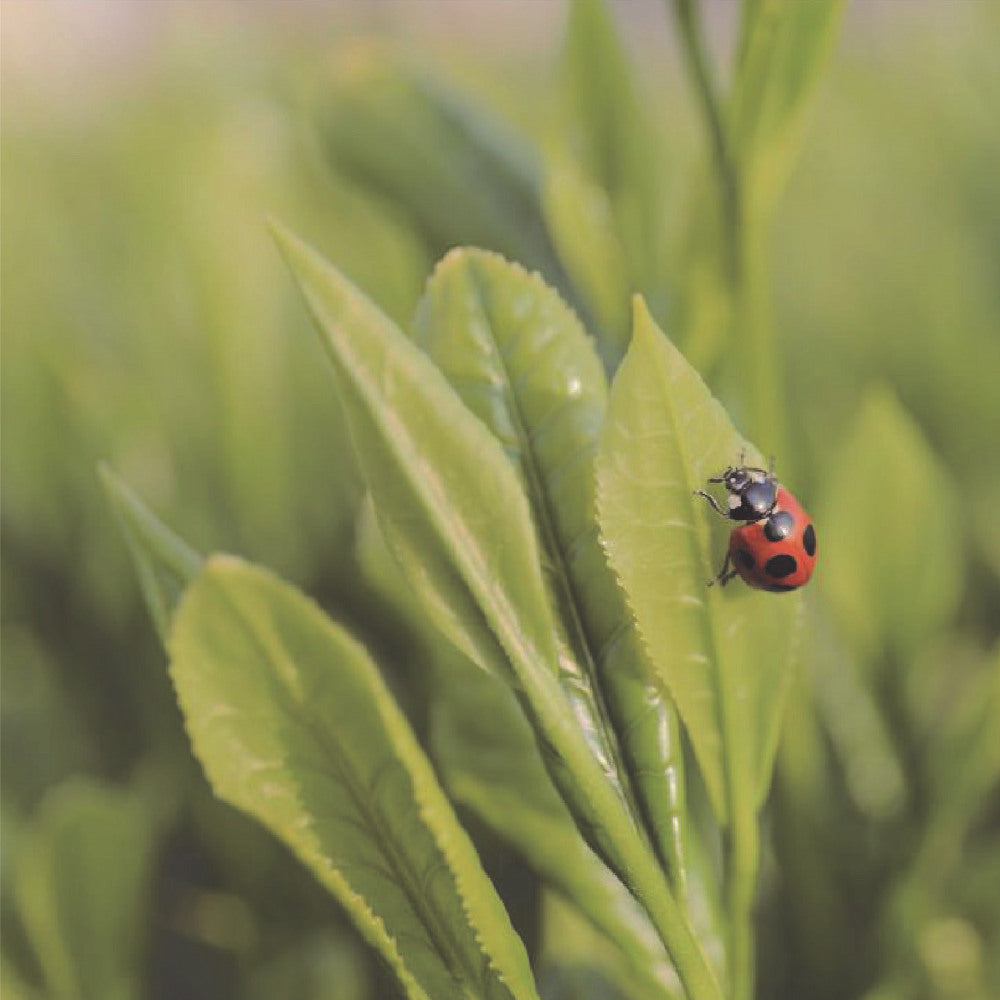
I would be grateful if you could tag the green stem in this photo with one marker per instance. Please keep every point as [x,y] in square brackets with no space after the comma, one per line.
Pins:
[726,172]
[744,249]
[676,933]
[744,268]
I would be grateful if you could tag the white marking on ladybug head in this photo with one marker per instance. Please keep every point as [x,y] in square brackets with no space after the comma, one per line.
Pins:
[735,500]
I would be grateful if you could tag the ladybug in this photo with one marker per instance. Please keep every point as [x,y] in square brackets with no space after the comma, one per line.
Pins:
[775,548]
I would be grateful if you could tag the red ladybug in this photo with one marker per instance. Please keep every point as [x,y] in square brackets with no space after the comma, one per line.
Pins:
[775,549]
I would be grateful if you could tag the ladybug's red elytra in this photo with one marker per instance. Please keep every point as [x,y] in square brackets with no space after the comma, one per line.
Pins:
[774,548]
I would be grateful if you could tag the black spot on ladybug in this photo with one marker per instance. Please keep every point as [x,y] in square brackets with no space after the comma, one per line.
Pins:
[779,525]
[779,566]
[744,558]
[809,540]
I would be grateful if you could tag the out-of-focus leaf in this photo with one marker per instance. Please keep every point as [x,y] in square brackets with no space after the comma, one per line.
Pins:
[576,963]
[454,168]
[322,967]
[164,563]
[294,726]
[606,131]
[520,360]
[725,656]
[452,511]
[581,220]
[81,887]
[783,49]
[889,518]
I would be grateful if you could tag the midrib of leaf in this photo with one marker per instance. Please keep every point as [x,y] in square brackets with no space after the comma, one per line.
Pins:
[398,870]
[546,522]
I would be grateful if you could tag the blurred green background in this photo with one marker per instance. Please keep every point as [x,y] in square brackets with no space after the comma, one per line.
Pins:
[147,321]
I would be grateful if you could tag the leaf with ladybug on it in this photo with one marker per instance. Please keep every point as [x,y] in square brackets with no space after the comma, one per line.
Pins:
[724,656]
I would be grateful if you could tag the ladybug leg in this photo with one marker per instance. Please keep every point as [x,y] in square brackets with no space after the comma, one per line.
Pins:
[712,500]
[724,575]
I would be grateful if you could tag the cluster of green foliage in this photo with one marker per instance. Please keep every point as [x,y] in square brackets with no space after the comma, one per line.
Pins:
[512,746]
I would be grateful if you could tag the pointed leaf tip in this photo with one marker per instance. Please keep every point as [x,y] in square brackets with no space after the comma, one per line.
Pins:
[164,562]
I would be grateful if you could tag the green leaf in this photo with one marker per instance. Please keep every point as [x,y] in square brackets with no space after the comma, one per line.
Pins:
[443,488]
[723,655]
[81,886]
[489,761]
[294,726]
[891,581]
[522,363]
[606,166]
[444,494]
[456,170]
[581,219]
[164,562]
[576,962]
[783,49]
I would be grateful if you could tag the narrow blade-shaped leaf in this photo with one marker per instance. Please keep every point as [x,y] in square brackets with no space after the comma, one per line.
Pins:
[165,563]
[450,165]
[782,52]
[581,219]
[724,656]
[82,883]
[294,725]
[605,131]
[521,361]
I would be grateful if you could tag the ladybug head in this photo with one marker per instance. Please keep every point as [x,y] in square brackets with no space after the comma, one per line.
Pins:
[752,492]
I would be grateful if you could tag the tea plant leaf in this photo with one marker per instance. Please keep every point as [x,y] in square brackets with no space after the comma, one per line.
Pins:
[581,219]
[520,360]
[783,49]
[724,656]
[293,725]
[485,750]
[604,170]
[441,481]
[81,886]
[446,499]
[454,168]
[891,581]
[164,562]
[490,763]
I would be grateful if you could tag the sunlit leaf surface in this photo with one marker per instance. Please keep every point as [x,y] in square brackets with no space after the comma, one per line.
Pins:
[294,725]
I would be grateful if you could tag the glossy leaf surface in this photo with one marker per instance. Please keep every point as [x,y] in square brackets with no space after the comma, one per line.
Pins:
[724,655]
[485,750]
[294,725]
[522,363]
[442,486]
